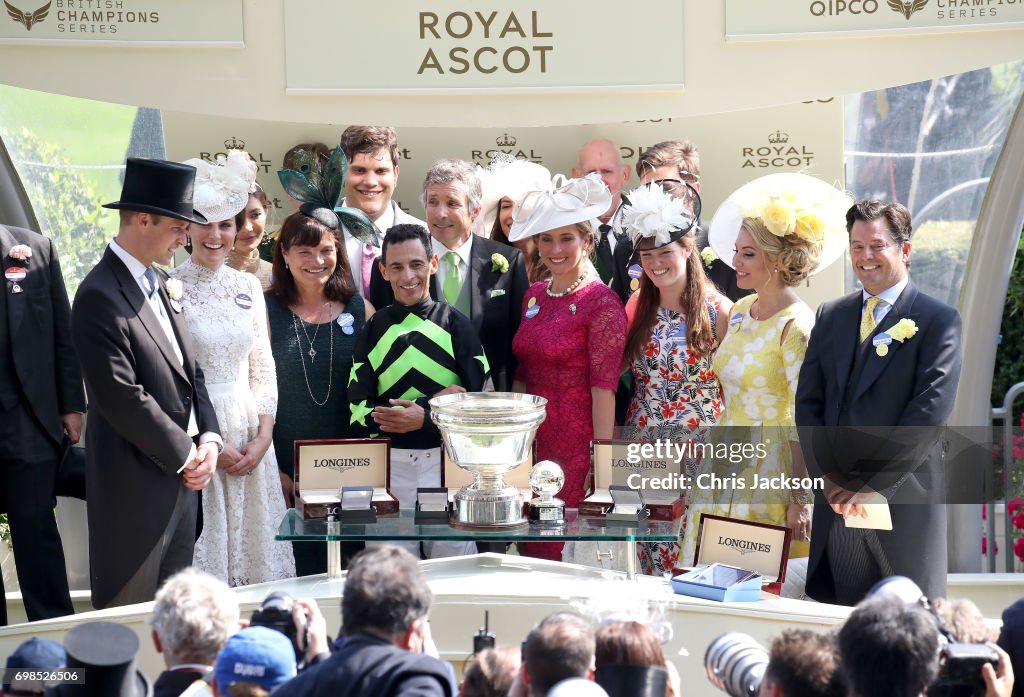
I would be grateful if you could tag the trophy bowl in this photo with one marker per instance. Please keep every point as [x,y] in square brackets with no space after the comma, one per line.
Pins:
[488,434]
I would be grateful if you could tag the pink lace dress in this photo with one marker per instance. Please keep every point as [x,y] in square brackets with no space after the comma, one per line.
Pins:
[566,347]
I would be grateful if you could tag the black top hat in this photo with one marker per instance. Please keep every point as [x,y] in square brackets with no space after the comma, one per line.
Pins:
[158,186]
[105,653]
[622,680]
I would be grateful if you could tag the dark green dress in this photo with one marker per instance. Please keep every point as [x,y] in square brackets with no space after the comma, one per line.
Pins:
[312,401]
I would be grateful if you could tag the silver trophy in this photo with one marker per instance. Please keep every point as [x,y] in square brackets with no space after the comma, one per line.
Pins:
[546,480]
[488,434]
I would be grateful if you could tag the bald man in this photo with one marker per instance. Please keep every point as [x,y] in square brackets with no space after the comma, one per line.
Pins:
[614,249]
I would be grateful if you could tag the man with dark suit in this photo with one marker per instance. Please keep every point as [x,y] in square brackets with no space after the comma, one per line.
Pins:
[41,405]
[673,164]
[152,441]
[485,280]
[614,250]
[372,154]
[876,387]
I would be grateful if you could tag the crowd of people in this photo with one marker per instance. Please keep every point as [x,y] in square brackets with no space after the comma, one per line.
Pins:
[895,643]
[623,309]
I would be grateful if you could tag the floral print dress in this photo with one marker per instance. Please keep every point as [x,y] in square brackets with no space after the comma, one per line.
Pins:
[758,371]
[676,397]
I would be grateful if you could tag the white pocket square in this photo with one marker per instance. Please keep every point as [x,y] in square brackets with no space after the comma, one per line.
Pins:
[497,293]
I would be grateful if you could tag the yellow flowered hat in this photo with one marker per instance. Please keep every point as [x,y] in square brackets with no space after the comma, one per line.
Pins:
[787,203]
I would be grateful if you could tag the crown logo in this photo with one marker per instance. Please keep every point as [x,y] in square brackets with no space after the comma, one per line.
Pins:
[506,141]
[778,137]
[907,8]
[233,143]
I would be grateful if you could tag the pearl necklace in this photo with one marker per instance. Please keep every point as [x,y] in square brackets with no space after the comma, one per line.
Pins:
[568,290]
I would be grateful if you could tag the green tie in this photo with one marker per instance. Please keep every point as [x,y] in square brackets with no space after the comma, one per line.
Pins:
[867,322]
[451,279]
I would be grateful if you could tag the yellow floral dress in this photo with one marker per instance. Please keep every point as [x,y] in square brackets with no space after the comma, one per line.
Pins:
[758,372]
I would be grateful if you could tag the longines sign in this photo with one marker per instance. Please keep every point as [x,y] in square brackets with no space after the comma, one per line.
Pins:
[430,45]
[756,19]
[115,22]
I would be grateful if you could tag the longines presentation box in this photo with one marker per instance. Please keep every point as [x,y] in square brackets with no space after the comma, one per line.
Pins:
[454,477]
[758,547]
[610,464]
[323,467]
[719,582]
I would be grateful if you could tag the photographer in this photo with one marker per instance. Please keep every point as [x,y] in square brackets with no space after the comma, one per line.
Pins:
[889,648]
[384,607]
[802,663]
[299,620]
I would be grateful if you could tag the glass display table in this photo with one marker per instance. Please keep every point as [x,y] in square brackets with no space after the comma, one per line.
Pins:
[403,527]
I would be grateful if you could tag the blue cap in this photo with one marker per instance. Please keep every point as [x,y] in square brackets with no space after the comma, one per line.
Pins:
[37,654]
[255,654]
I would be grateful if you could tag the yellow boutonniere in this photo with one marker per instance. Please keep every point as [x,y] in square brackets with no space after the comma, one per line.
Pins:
[708,255]
[499,263]
[901,331]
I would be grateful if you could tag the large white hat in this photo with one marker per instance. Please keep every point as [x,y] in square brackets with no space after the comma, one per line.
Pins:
[222,188]
[787,203]
[509,177]
[578,201]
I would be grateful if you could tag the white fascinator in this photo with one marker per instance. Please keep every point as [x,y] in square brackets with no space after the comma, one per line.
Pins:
[578,201]
[222,187]
[507,176]
[653,213]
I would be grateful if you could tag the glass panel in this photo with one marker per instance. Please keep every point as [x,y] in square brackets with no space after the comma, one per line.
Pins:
[404,527]
[932,146]
[69,154]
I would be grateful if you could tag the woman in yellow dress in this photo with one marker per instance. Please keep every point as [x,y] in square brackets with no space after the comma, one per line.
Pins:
[775,232]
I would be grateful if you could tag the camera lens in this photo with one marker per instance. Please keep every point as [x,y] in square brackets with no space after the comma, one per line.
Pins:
[735,663]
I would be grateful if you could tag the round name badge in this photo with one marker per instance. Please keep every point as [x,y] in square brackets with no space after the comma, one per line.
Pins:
[347,323]
[243,301]
[634,284]
[635,271]
[883,339]
[15,274]
[532,311]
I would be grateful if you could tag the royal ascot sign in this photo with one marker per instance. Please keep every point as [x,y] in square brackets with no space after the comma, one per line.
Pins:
[164,23]
[756,19]
[431,45]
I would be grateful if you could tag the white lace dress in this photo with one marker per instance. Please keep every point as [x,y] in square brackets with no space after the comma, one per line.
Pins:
[226,315]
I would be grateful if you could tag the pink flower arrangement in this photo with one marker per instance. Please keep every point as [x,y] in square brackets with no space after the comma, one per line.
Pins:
[20,252]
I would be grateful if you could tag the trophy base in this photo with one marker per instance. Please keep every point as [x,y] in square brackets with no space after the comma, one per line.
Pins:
[480,511]
[547,513]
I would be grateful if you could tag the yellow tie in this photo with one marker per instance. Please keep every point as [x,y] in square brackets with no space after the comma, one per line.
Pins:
[867,322]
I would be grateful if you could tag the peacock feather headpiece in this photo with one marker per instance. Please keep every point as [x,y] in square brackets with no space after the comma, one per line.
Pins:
[318,184]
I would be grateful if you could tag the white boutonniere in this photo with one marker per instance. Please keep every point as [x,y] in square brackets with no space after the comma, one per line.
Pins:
[901,331]
[499,263]
[708,256]
[174,288]
[20,253]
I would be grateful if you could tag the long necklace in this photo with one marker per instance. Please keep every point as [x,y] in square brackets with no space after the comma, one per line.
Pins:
[312,355]
[568,290]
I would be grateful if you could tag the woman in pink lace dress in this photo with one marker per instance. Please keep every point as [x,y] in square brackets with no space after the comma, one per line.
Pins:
[569,344]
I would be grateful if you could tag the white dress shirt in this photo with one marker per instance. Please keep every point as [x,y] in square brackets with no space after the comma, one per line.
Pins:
[138,271]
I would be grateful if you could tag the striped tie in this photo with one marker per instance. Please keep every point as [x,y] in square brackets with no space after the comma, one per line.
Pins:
[867,321]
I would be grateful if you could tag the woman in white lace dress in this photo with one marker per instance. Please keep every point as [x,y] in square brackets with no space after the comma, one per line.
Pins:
[226,315]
